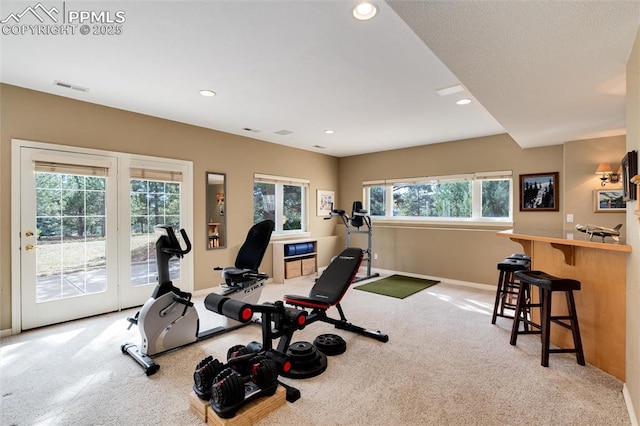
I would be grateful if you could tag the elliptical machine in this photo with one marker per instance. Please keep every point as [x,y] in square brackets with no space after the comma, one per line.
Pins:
[359,218]
[168,320]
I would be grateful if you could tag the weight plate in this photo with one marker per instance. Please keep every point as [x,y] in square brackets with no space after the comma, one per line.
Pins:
[330,344]
[306,361]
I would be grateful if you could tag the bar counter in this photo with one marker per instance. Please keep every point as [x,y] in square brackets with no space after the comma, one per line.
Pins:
[600,303]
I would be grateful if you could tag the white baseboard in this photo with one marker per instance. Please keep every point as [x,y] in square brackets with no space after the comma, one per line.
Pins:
[444,280]
[629,404]
[5,333]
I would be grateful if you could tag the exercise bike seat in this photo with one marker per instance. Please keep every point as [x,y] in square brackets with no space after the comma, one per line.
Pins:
[333,283]
[250,254]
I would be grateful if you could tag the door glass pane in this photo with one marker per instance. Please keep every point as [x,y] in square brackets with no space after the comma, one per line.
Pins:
[152,203]
[71,243]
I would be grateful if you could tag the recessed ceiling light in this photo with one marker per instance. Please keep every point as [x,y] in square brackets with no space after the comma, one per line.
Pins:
[365,11]
[329,132]
[207,93]
[463,101]
[457,88]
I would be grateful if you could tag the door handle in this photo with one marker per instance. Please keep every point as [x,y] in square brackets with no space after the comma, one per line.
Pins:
[30,247]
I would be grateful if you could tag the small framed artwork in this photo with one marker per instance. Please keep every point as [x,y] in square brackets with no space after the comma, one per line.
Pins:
[629,169]
[325,202]
[539,192]
[609,201]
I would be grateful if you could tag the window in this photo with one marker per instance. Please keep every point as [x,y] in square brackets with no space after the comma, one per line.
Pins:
[283,200]
[483,197]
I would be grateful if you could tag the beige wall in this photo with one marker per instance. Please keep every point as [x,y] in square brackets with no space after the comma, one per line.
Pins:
[471,254]
[457,254]
[581,160]
[633,235]
[36,116]
[466,255]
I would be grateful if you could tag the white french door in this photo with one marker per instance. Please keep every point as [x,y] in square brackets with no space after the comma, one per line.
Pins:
[86,224]
[68,234]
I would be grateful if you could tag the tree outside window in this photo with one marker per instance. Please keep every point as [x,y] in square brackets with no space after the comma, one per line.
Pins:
[475,197]
[284,203]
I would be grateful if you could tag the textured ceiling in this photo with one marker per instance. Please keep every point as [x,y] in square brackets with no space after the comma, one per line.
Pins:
[548,71]
[545,72]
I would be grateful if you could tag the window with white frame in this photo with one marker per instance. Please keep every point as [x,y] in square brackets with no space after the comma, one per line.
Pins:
[283,200]
[482,197]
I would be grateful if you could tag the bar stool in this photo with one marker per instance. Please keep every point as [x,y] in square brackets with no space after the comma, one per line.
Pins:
[547,285]
[507,290]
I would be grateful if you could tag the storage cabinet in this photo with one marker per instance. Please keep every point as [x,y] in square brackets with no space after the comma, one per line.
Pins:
[294,258]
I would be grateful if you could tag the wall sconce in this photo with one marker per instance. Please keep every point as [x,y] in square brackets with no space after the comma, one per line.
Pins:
[607,175]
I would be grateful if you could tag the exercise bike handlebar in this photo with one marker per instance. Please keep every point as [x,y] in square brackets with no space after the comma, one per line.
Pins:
[187,242]
[173,248]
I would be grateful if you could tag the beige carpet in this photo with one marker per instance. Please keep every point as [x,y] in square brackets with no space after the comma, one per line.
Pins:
[444,364]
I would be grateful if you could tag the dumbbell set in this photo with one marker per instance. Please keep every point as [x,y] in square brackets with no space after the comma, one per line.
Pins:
[245,376]
[250,371]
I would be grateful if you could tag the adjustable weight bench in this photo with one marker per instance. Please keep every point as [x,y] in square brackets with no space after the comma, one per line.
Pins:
[329,290]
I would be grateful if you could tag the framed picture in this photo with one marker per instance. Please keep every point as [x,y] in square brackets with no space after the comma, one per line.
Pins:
[539,192]
[609,201]
[325,202]
[629,170]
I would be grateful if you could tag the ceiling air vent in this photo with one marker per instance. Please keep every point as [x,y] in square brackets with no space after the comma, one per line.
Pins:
[70,86]
[283,132]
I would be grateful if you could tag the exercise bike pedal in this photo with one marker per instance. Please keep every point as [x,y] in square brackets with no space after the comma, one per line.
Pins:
[133,321]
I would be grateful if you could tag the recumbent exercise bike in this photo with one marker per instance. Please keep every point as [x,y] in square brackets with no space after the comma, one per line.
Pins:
[168,320]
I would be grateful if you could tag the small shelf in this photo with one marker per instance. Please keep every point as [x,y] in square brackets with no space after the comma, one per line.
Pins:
[301,260]
[299,256]
[214,236]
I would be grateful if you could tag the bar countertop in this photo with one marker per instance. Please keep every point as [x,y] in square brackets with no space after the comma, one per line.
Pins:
[565,237]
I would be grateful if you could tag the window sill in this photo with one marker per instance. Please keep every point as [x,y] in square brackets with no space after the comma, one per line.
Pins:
[290,236]
[440,224]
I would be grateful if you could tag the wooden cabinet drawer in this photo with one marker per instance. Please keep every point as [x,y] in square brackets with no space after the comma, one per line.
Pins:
[293,268]
[309,266]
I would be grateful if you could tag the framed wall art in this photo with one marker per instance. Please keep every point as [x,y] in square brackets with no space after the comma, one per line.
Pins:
[539,192]
[609,201]
[325,202]
[629,169]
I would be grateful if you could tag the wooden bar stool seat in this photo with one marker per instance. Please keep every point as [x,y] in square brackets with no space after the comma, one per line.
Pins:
[547,285]
[507,291]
